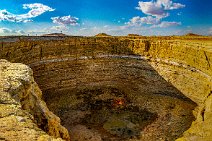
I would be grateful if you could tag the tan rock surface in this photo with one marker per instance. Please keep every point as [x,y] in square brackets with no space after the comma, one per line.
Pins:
[200,129]
[22,111]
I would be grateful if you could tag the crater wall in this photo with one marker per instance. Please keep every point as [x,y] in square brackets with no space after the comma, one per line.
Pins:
[192,54]
[154,69]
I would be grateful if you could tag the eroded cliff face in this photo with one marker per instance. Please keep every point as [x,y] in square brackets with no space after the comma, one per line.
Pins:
[22,112]
[200,129]
[157,74]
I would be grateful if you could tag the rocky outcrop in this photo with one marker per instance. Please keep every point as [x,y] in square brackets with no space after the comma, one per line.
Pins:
[192,34]
[102,35]
[23,115]
[200,129]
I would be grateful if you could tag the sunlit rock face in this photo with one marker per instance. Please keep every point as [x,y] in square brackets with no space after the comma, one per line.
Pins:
[122,88]
[22,111]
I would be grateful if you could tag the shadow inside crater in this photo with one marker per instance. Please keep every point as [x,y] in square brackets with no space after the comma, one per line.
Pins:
[107,110]
[116,99]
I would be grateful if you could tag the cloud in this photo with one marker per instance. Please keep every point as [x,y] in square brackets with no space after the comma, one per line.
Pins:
[65,20]
[155,22]
[135,21]
[152,8]
[155,11]
[143,20]
[169,5]
[9,31]
[167,24]
[36,9]
[158,8]
[5,30]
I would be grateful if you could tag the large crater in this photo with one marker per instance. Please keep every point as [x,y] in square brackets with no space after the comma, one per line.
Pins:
[114,99]
[116,89]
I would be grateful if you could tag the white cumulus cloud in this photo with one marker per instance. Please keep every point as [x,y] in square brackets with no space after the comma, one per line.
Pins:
[169,5]
[65,20]
[158,8]
[143,20]
[36,9]
[156,11]
[155,22]
[152,8]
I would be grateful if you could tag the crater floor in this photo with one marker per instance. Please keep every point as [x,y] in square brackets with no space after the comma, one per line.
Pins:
[108,114]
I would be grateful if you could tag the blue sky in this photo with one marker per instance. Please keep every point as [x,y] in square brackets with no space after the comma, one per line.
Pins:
[115,17]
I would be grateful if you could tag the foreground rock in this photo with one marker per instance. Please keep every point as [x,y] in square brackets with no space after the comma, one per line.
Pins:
[22,112]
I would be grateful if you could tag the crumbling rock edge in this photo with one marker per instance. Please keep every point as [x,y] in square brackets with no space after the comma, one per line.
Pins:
[23,114]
